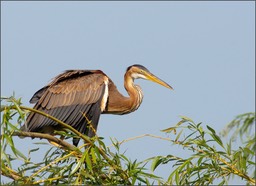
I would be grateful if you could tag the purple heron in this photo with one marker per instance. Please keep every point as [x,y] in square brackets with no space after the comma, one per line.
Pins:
[78,97]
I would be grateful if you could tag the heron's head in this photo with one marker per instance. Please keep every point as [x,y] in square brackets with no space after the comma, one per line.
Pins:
[138,71]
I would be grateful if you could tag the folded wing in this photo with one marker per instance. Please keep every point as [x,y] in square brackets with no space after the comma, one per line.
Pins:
[74,97]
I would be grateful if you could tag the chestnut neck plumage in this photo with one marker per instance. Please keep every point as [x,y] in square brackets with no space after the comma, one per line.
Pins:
[135,92]
[119,104]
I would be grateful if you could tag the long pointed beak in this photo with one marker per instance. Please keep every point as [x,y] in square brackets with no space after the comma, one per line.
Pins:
[155,79]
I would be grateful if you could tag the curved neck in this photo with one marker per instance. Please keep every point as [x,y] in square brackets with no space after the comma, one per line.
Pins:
[135,93]
[119,104]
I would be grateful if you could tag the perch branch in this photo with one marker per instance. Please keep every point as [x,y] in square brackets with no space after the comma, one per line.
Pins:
[45,136]
[85,138]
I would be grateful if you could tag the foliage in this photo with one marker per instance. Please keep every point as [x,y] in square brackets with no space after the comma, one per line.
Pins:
[209,159]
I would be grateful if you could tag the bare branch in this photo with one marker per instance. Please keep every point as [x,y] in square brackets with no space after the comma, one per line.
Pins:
[8,172]
[142,136]
[45,136]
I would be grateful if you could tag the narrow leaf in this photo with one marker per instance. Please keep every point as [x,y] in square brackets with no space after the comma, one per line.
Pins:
[178,136]
[211,129]
[156,162]
[88,162]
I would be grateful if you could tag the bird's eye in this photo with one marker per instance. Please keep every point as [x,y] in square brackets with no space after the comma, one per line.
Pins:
[141,71]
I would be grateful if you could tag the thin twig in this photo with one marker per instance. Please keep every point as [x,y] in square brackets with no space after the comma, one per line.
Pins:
[142,136]
[50,164]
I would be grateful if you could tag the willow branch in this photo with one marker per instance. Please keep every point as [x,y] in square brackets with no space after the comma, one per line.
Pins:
[142,136]
[45,136]
[49,180]
[233,169]
[85,138]
[8,172]
[50,164]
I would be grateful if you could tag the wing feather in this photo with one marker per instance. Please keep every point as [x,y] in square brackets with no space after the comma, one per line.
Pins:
[38,95]
[78,115]
[86,97]
[66,98]
[46,99]
[66,112]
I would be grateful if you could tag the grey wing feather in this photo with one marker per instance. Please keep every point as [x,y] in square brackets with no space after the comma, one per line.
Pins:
[69,101]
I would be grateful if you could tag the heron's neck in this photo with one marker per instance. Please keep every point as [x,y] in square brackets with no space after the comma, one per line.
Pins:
[119,104]
[135,93]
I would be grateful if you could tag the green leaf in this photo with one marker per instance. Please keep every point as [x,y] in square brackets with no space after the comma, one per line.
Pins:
[211,129]
[20,154]
[81,161]
[156,161]
[215,136]
[93,154]
[97,152]
[125,158]
[88,162]
[229,148]
[248,151]
[178,136]
[41,143]
[251,163]
[78,165]
[185,118]
[177,176]
[152,176]
[199,161]
[33,150]
[170,129]
[217,139]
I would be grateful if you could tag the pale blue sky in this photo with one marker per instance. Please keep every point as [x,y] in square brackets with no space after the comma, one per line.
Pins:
[205,50]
